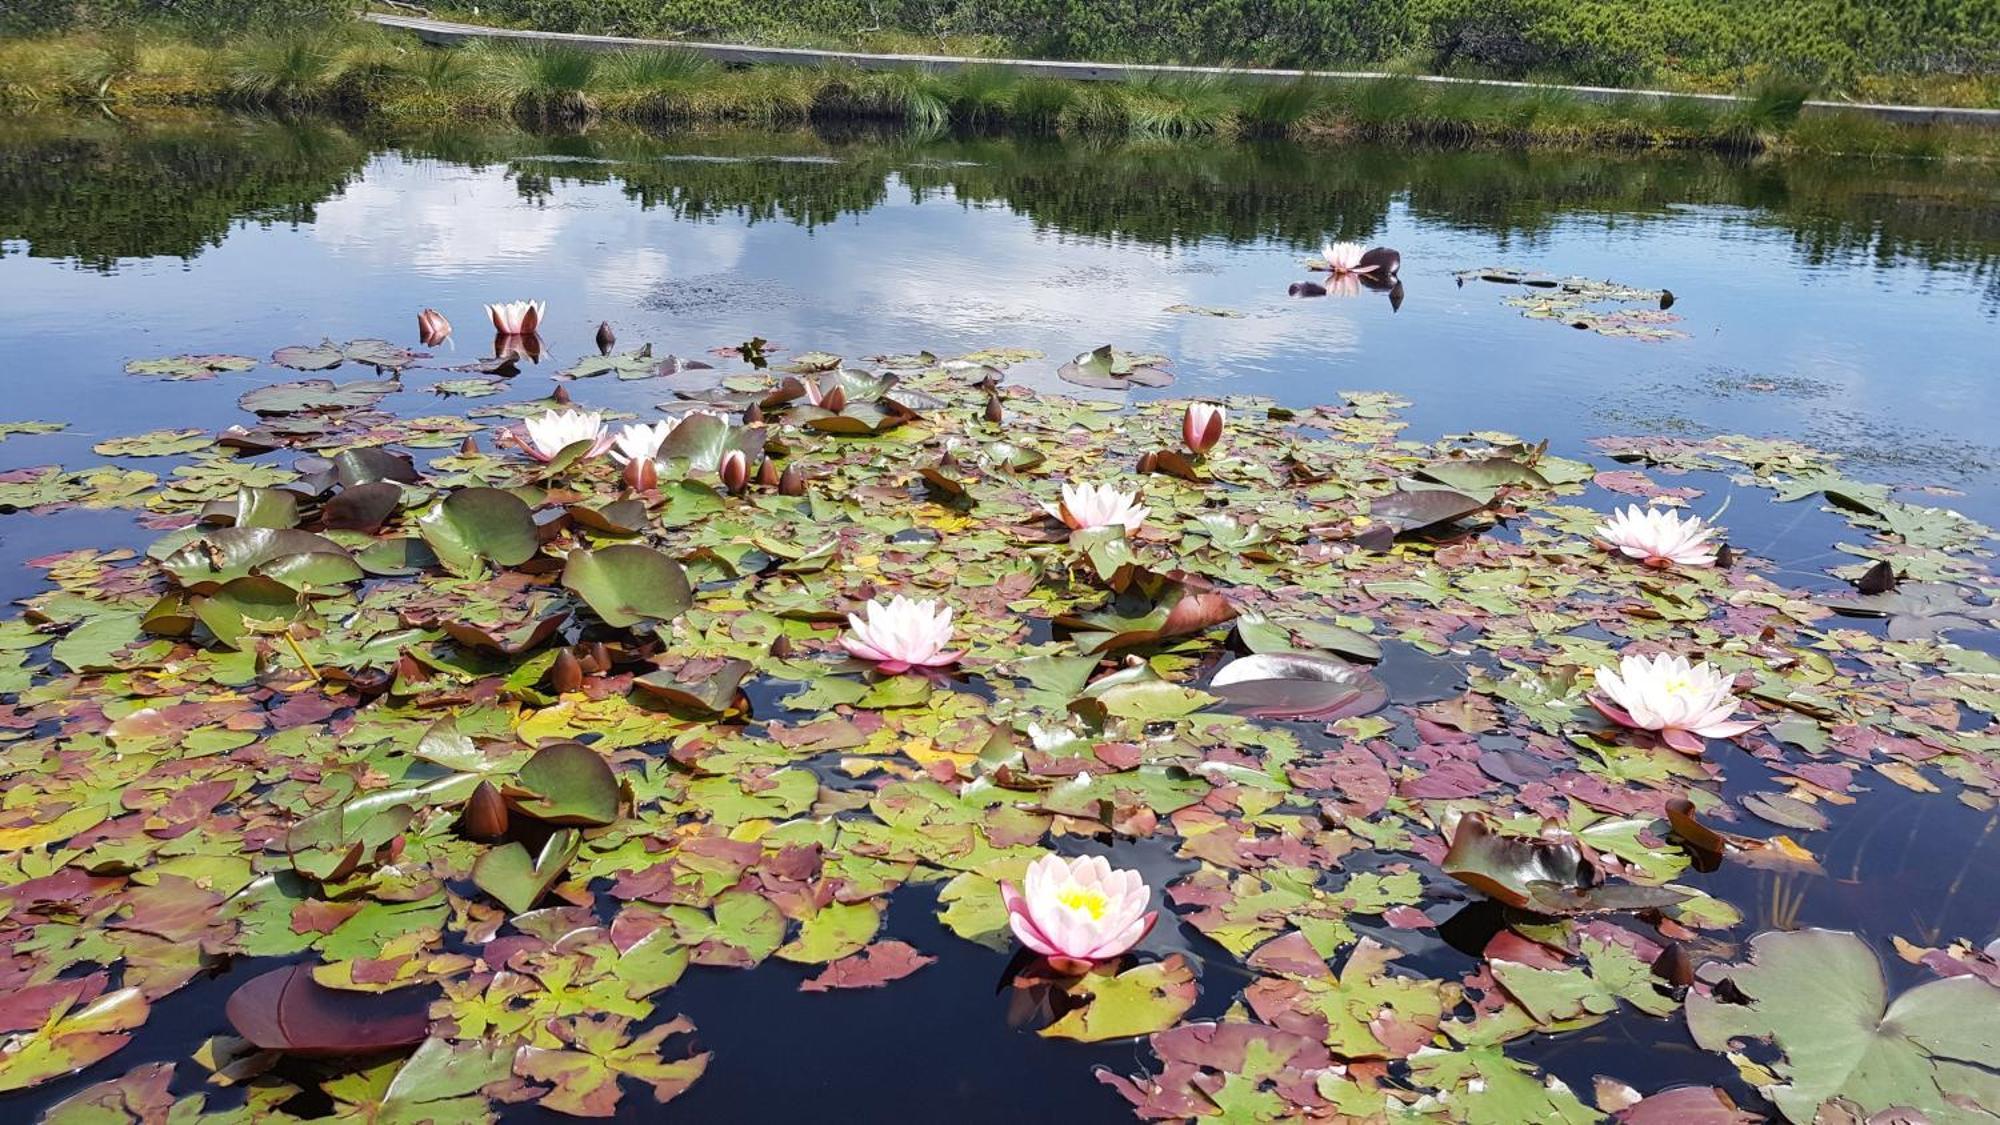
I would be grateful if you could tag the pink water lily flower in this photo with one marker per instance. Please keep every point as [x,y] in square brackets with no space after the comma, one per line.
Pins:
[1201,426]
[1079,911]
[1682,703]
[517,318]
[901,634]
[1660,538]
[1085,507]
[556,430]
[1344,257]
[432,327]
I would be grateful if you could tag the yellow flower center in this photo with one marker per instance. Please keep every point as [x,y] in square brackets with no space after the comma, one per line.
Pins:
[1678,687]
[1084,901]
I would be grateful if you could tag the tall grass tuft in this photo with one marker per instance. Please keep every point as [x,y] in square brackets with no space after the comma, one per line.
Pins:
[293,70]
[1182,107]
[1277,109]
[982,96]
[1040,103]
[547,82]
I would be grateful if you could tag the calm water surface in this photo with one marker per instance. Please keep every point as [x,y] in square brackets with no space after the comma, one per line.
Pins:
[1853,306]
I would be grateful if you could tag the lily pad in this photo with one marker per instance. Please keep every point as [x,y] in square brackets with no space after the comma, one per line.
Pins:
[1295,685]
[1106,369]
[316,395]
[627,583]
[1819,997]
[569,783]
[519,880]
[184,367]
[474,527]
[287,1010]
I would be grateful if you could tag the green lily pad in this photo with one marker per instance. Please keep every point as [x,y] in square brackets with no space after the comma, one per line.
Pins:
[1138,1001]
[182,367]
[476,527]
[627,583]
[570,784]
[1819,997]
[519,880]
[316,395]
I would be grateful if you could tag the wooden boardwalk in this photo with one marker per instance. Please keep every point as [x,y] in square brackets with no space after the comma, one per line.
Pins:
[446,33]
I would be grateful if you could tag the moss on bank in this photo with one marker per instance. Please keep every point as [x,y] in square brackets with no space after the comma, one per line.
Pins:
[357,69]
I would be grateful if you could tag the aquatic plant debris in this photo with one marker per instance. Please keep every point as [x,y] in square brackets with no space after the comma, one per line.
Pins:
[448,762]
[1578,302]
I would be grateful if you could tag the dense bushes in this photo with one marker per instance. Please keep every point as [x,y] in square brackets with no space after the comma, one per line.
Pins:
[211,18]
[1605,41]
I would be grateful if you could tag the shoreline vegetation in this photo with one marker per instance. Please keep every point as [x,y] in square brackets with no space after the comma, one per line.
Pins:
[353,69]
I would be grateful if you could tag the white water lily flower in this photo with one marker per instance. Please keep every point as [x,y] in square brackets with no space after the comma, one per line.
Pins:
[545,437]
[640,442]
[901,634]
[517,318]
[1684,703]
[1344,257]
[1078,911]
[1659,537]
[1086,507]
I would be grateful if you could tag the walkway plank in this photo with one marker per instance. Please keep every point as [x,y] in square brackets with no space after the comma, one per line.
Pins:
[447,33]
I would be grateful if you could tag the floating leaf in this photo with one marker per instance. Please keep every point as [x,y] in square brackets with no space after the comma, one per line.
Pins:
[519,880]
[474,527]
[627,583]
[1138,1001]
[191,366]
[1109,370]
[569,784]
[1297,686]
[287,1010]
[1819,997]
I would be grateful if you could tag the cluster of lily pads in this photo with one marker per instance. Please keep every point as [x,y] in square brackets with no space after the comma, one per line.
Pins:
[486,729]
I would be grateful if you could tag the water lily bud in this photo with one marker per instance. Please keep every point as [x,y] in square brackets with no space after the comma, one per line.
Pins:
[792,482]
[567,675]
[1149,461]
[1201,426]
[781,646]
[834,400]
[561,397]
[469,447]
[767,473]
[485,815]
[643,474]
[734,471]
[994,413]
[599,659]
[606,338]
[753,415]
[432,327]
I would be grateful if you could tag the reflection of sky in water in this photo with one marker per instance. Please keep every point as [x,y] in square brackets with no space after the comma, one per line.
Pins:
[1896,358]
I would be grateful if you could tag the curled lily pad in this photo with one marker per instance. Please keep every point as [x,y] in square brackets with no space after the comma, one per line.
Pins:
[519,880]
[474,527]
[287,1010]
[617,517]
[235,552]
[1181,612]
[1547,875]
[1424,508]
[1110,370]
[401,555]
[568,783]
[1482,476]
[368,464]
[240,602]
[332,844]
[1295,685]
[627,583]
[363,507]
[708,688]
[255,507]
[702,439]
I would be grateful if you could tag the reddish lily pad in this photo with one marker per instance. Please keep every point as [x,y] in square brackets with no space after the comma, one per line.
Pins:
[287,1010]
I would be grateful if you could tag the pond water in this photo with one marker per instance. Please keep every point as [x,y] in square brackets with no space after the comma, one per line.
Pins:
[1853,307]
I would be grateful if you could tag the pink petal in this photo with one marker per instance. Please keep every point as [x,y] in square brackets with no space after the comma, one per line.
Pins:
[1687,742]
[1617,715]
[1726,729]
[1125,939]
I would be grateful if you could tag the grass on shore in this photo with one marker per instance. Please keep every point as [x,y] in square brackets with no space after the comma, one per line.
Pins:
[362,69]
